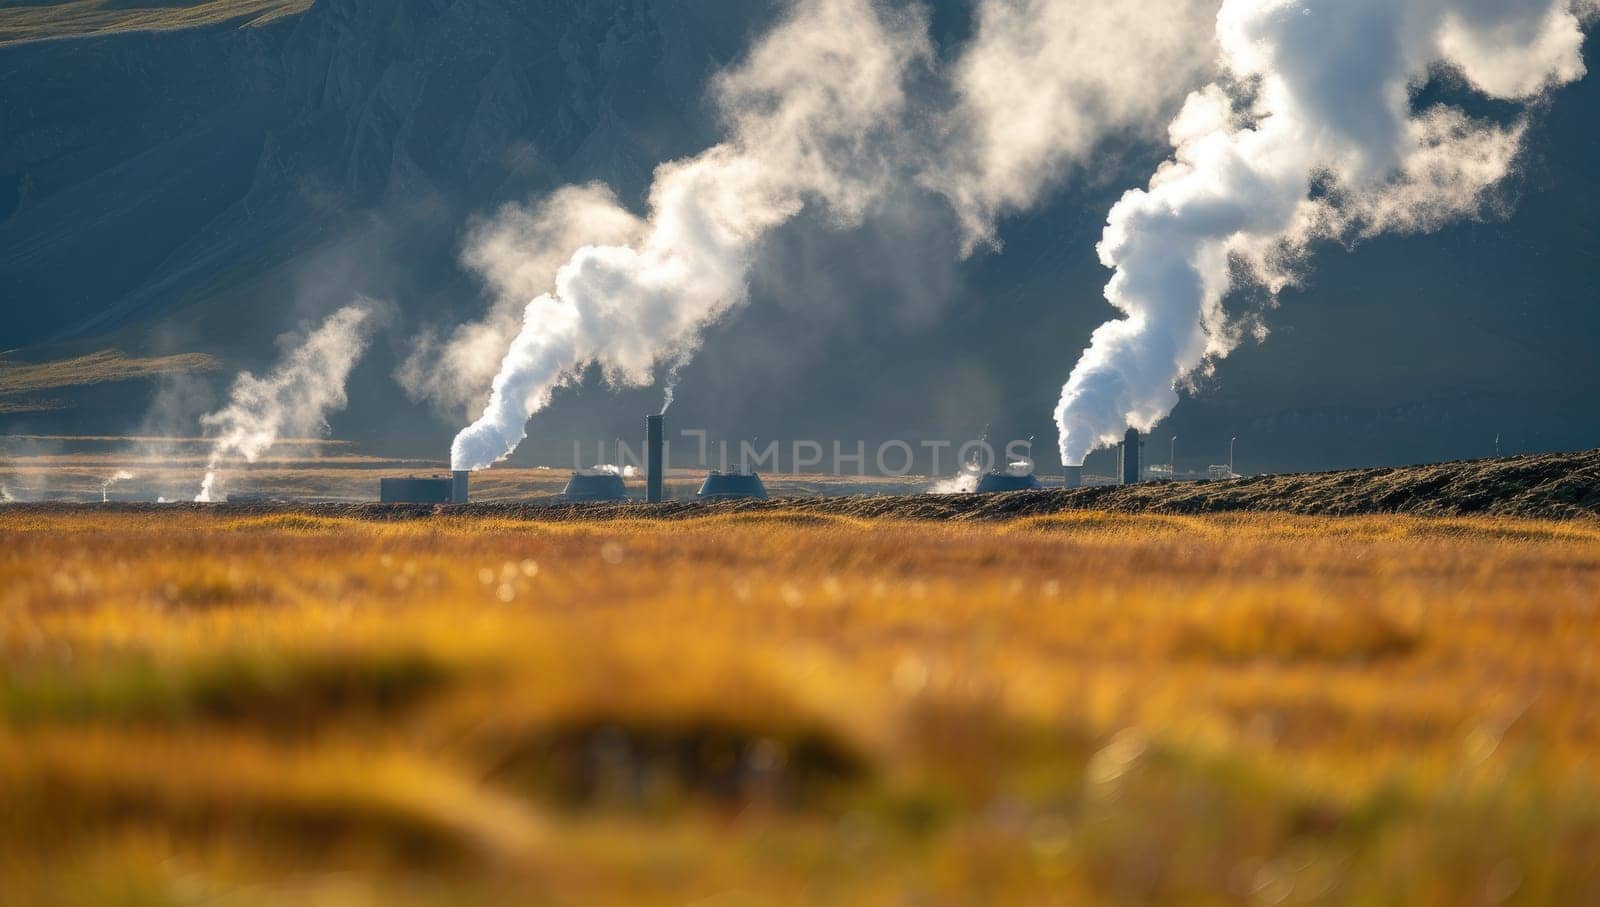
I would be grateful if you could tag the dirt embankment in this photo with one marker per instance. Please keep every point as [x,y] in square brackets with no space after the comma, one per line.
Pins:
[1551,486]
[1547,486]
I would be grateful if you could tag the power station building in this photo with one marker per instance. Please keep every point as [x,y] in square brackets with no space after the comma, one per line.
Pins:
[450,489]
[590,487]
[732,486]
[999,481]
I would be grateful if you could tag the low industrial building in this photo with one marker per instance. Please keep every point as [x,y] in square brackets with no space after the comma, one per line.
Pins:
[732,486]
[999,481]
[450,489]
[595,486]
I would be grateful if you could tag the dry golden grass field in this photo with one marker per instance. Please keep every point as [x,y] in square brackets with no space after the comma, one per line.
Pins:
[226,707]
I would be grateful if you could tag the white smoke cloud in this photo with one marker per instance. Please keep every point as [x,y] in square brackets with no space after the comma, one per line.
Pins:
[669,391]
[1451,172]
[517,254]
[612,469]
[294,399]
[1329,84]
[812,117]
[1042,85]
[121,475]
[669,385]
[963,482]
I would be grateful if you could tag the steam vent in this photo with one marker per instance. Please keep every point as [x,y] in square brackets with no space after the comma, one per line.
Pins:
[999,481]
[595,486]
[732,486]
[450,489]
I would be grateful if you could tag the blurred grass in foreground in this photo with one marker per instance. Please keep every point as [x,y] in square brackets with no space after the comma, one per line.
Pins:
[209,708]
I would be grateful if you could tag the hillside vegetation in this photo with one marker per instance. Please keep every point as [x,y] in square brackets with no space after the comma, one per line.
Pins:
[96,368]
[791,706]
[21,23]
[21,382]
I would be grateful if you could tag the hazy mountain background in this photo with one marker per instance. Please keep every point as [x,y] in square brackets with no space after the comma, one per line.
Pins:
[204,188]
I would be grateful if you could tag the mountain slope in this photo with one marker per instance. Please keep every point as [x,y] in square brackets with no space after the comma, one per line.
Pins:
[210,188]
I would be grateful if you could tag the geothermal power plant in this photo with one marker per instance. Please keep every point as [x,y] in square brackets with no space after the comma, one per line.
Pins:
[601,484]
[611,483]
[608,484]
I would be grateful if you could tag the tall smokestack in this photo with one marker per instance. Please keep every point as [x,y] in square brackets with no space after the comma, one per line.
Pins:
[655,458]
[458,486]
[1130,457]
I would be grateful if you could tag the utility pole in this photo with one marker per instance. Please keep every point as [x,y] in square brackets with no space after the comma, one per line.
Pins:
[1172,458]
[1232,441]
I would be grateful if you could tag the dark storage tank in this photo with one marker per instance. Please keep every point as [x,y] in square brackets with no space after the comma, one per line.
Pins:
[997,481]
[595,486]
[732,486]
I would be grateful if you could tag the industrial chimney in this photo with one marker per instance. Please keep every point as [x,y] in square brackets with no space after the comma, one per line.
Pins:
[458,486]
[1130,457]
[655,459]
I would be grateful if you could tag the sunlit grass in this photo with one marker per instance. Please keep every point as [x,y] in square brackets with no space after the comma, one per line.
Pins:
[797,707]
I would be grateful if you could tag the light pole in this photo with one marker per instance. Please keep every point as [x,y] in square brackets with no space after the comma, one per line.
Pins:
[1231,441]
[1172,458]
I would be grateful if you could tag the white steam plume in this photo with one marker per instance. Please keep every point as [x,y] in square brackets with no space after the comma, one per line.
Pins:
[669,385]
[1329,146]
[121,475]
[612,469]
[294,399]
[965,481]
[669,390]
[1044,83]
[517,254]
[812,114]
